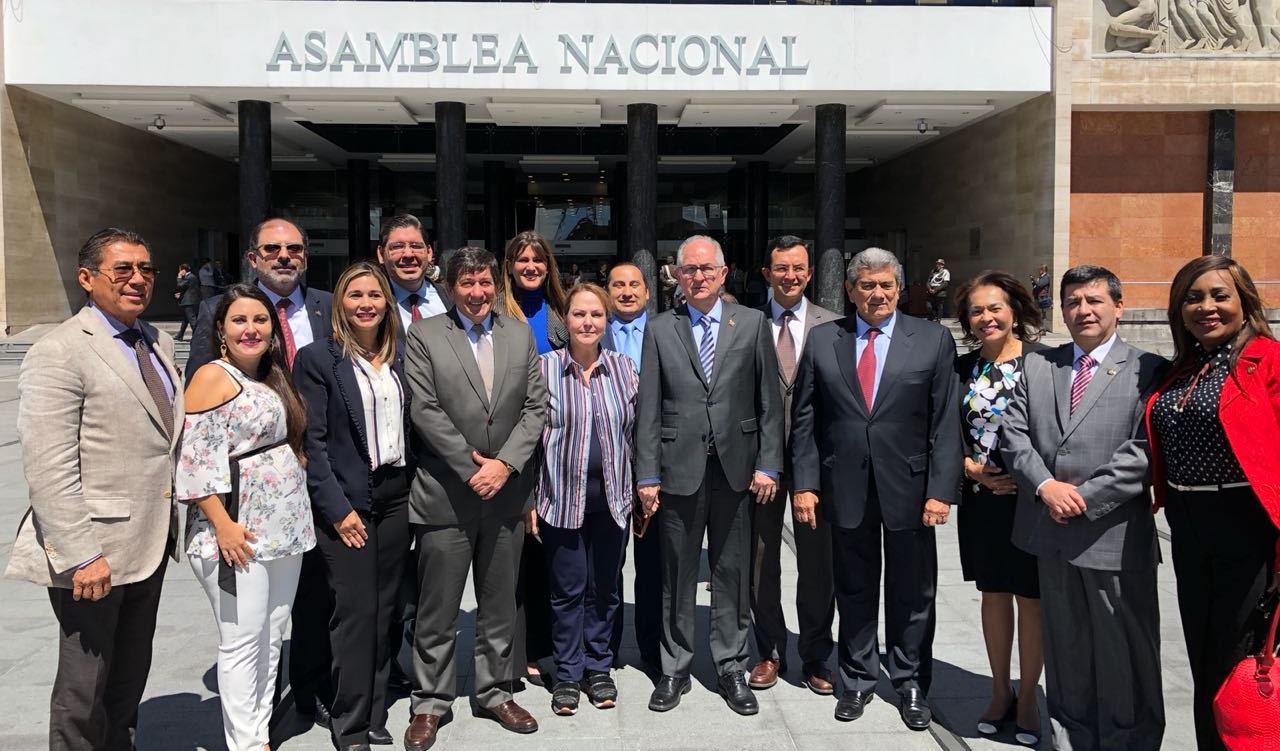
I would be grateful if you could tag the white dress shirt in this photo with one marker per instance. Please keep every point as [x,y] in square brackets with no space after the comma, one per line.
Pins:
[383,400]
[429,302]
[800,311]
[297,321]
[473,337]
[1099,354]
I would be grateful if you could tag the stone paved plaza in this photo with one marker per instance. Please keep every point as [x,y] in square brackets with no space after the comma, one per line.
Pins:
[181,709]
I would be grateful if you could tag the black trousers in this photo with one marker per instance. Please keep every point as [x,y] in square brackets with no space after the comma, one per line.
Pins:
[104,657]
[815,587]
[533,607]
[910,583]
[1223,555]
[646,588]
[365,586]
[310,659]
[724,516]
[188,320]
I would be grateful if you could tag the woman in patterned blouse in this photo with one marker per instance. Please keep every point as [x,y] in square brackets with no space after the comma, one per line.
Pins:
[999,315]
[585,497]
[240,467]
[1213,429]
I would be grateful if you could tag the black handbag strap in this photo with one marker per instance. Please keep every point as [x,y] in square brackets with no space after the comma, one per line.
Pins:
[231,501]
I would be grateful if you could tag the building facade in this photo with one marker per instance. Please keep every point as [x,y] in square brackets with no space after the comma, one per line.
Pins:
[1131,134]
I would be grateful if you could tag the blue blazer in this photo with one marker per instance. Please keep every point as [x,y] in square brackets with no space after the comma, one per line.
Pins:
[338,474]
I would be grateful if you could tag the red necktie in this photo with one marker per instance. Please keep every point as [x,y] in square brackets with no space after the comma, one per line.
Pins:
[867,367]
[282,311]
[414,314]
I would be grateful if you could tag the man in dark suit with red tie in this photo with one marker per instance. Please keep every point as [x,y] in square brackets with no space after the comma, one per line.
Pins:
[876,438]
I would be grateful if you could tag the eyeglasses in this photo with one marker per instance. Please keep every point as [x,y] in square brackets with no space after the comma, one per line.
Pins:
[123,272]
[401,247]
[707,271]
[273,249]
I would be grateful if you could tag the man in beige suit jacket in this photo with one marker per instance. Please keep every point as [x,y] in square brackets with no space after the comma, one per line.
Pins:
[99,418]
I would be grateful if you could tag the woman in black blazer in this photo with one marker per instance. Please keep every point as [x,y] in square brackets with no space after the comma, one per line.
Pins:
[357,445]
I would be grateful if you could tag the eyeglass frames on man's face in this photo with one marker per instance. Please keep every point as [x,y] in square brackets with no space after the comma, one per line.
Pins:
[707,271]
[273,249]
[401,247]
[123,272]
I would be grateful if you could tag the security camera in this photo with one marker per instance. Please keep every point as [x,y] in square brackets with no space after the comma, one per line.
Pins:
[159,122]
[922,125]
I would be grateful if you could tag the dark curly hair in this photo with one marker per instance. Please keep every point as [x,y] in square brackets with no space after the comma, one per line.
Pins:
[1027,316]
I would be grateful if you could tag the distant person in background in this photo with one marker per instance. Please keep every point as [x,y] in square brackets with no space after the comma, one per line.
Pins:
[1042,291]
[737,282]
[188,297]
[221,276]
[210,280]
[1214,427]
[997,313]
[669,280]
[572,277]
[939,282]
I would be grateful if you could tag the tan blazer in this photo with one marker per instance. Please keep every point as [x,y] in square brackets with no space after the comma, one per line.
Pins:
[98,464]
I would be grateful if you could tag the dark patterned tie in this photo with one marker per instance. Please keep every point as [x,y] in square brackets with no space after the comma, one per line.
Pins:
[151,377]
[290,347]
[787,346]
[707,348]
[1084,374]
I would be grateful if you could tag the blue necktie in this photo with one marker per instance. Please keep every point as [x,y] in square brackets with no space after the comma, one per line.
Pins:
[629,348]
[707,348]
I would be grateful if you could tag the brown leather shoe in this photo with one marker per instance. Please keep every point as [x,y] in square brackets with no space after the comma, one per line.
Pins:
[764,674]
[421,733]
[511,716]
[819,682]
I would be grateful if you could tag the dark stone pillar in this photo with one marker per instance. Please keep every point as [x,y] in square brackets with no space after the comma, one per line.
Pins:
[451,178]
[1222,182]
[254,124]
[618,211]
[753,259]
[642,193]
[495,189]
[829,197]
[358,210]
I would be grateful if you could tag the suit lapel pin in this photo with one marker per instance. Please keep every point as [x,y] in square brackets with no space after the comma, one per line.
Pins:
[730,321]
[1250,369]
[1111,371]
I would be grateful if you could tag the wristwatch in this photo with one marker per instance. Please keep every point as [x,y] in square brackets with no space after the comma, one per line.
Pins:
[511,468]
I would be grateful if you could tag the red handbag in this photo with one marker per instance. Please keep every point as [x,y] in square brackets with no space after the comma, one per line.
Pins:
[1247,707]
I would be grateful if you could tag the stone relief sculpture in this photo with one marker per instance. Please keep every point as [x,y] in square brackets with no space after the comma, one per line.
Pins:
[1172,26]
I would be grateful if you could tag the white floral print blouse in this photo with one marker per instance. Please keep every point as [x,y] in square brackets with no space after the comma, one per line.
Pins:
[274,504]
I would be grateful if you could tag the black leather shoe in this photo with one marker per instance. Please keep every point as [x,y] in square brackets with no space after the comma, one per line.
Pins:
[915,709]
[320,714]
[851,704]
[737,694]
[380,737]
[666,695]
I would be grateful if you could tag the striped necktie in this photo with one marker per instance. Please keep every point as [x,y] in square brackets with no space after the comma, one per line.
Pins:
[707,348]
[1084,374]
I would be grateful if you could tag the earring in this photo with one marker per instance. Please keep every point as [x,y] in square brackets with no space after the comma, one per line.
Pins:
[222,346]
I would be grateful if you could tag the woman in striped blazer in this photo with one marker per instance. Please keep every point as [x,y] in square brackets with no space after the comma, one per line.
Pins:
[585,497]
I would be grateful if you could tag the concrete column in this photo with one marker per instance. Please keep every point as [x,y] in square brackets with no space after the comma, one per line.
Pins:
[757,217]
[358,210]
[1222,182]
[451,178]
[642,192]
[829,206]
[618,211]
[495,190]
[254,124]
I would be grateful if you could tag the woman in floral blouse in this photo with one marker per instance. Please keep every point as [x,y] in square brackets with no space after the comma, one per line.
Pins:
[240,469]
[998,314]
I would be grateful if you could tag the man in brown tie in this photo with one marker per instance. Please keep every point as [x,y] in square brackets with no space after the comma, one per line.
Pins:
[791,317]
[875,437]
[101,406]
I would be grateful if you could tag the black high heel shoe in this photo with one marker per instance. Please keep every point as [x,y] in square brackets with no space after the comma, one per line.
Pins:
[995,727]
[1028,738]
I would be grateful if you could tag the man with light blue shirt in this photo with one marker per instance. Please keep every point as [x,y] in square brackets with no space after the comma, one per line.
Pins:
[630,294]
[875,435]
[405,254]
[709,441]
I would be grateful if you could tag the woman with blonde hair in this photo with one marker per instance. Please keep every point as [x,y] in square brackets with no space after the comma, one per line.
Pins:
[357,440]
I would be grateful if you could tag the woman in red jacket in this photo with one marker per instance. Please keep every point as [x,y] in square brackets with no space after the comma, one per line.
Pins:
[1214,427]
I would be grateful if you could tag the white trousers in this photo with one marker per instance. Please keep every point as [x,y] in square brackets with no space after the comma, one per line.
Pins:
[251,628]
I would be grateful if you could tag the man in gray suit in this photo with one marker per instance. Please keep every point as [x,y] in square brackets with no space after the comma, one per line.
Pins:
[791,317]
[99,418]
[708,440]
[1075,443]
[478,405]
[875,436]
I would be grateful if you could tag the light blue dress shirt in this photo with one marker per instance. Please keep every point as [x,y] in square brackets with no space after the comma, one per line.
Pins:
[881,345]
[695,319]
[632,346]
[429,302]
[118,328]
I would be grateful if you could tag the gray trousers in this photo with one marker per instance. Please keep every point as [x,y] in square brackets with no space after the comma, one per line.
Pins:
[490,550]
[724,516]
[1102,657]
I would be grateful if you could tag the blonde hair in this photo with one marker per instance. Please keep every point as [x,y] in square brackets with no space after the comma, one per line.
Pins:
[591,289]
[344,336]
[551,288]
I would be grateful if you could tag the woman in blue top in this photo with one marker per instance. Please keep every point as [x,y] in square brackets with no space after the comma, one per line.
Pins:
[533,292]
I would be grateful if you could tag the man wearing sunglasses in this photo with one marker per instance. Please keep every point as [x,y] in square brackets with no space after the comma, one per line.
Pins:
[98,418]
[277,254]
